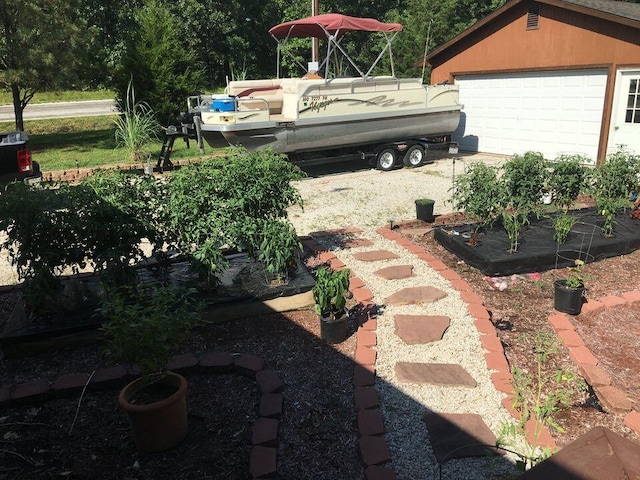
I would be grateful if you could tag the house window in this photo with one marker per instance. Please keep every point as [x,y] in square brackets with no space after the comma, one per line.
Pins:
[533,17]
[633,102]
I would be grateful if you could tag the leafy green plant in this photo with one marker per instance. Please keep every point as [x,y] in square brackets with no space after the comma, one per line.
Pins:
[567,180]
[226,202]
[522,181]
[538,396]
[524,178]
[136,126]
[513,221]
[612,185]
[329,291]
[51,231]
[562,224]
[146,324]
[478,194]
[278,248]
[575,280]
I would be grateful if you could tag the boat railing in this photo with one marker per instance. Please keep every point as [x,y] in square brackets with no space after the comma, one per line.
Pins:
[252,103]
[357,85]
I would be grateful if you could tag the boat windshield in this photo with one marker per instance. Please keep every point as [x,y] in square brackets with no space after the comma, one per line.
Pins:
[333,27]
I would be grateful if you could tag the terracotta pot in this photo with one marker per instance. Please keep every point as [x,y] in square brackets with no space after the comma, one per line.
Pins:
[161,425]
[567,299]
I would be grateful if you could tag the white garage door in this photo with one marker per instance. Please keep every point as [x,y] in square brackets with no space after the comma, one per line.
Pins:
[548,112]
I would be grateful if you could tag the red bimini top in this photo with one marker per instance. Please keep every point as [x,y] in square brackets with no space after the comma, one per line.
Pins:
[333,23]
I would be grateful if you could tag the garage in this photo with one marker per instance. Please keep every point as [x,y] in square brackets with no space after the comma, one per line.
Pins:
[549,112]
[554,76]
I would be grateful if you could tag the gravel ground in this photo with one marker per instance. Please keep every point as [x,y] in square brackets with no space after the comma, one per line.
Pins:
[404,405]
[371,198]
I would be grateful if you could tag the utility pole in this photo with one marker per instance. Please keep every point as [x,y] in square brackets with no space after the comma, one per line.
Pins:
[314,41]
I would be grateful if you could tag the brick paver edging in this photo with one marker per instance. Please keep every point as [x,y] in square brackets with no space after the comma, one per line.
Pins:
[495,356]
[263,457]
[612,399]
[374,450]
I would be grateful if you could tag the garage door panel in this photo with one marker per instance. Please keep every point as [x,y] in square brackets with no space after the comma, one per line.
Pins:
[543,111]
[547,126]
[568,127]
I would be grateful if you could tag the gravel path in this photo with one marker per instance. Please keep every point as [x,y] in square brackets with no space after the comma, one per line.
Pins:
[368,200]
[403,405]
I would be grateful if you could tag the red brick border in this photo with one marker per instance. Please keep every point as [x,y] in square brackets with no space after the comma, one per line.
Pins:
[612,399]
[374,450]
[263,456]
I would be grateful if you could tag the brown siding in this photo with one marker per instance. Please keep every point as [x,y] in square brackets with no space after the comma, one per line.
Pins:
[565,39]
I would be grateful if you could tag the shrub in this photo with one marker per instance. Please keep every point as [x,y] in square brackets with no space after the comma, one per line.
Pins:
[136,126]
[524,178]
[612,185]
[278,247]
[225,202]
[567,180]
[71,227]
[478,194]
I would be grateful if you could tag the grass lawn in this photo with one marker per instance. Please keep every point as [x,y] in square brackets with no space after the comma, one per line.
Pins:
[86,142]
[61,96]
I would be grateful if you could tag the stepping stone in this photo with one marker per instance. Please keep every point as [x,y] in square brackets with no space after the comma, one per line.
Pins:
[396,272]
[416,329]
[357,242]
[375,256]
[442,374]
[600,453]
[448,432]
[415,295]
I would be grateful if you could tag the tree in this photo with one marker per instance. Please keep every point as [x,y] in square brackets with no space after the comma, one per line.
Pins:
[163,69]
[39,45]
[435,22]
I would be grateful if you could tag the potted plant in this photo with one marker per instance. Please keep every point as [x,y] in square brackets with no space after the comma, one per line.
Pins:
[144,327]
[424,209]
[568,292]
[330,303]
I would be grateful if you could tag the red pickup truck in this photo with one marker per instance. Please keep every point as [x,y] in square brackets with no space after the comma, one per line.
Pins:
[15,159]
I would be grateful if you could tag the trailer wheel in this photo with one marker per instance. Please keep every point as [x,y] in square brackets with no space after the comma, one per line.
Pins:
[386,159]
[414,156]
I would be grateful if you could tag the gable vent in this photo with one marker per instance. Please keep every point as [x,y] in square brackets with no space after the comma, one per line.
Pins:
[533,18]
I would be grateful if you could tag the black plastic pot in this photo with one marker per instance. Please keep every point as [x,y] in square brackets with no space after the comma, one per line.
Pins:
[333,331]
[567,299]
[424,209]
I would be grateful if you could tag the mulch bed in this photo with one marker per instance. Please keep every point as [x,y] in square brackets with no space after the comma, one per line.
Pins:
[317,432]
[521,310]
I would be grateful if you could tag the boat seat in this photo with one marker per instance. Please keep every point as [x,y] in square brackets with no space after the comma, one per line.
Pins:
[269,90]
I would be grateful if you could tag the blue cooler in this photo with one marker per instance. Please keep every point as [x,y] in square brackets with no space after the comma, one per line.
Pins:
[224,104]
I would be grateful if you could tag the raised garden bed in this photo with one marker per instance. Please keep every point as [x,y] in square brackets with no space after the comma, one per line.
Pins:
[537,250]
[246,290]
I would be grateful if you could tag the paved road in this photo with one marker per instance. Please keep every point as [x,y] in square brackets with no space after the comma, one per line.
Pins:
[60,110]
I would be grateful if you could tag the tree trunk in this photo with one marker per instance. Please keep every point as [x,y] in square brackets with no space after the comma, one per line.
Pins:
[18,107]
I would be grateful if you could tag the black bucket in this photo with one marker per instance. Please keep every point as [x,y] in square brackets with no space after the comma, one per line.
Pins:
[424,210]
[566,299]
[334,331]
